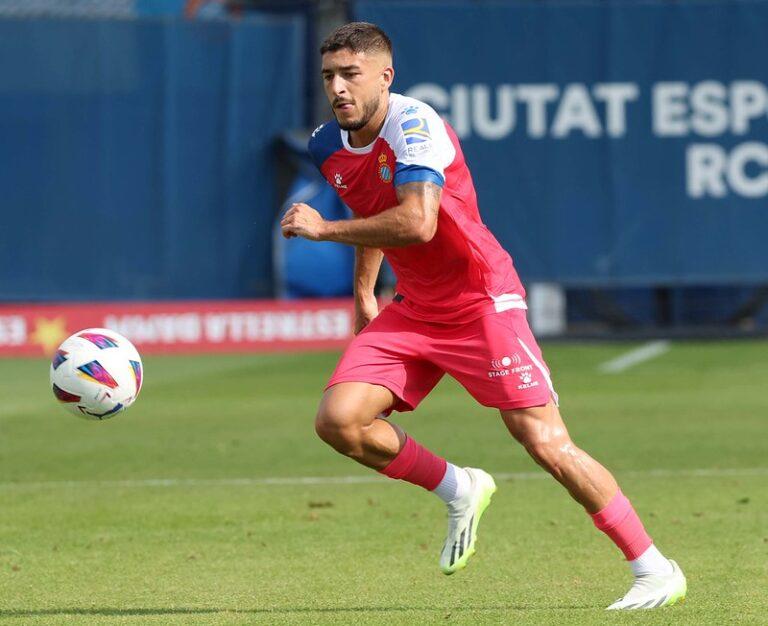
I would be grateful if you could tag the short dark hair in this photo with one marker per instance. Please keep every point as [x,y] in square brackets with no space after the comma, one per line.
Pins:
[357,37]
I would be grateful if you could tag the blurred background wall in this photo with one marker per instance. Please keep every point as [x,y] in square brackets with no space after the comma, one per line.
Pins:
[138,154]
[619,148]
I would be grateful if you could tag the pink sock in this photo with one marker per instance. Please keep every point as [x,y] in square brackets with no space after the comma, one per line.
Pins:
[417,465]
[619,521]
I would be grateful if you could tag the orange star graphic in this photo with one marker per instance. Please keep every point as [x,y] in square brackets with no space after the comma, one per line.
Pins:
[49,333]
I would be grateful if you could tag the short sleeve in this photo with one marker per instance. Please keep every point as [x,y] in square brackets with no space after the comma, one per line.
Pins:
[325,140]
[423,149]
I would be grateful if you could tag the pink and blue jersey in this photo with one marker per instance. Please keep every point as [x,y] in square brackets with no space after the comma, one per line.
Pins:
[462,273]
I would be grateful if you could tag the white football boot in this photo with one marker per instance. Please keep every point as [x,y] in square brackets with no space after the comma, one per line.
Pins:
[652,591]
[463,518]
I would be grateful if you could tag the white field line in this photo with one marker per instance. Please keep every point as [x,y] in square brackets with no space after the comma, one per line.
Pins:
[629,359]
[353,480]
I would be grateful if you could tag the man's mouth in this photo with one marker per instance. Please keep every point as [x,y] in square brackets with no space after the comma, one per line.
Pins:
[344,106]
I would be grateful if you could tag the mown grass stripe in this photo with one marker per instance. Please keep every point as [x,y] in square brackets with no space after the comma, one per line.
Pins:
[352,480]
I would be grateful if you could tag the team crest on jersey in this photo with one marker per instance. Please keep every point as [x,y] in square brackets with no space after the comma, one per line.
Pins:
[385,172]
[415,130]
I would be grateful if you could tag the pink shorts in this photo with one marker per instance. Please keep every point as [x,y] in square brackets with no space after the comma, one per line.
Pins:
[495,358]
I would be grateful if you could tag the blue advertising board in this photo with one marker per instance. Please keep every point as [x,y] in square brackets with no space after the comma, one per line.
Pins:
[612,143]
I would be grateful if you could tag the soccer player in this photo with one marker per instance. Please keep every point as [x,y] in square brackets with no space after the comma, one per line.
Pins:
[459,309]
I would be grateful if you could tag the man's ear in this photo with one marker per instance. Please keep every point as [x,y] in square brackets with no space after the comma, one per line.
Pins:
[387,77]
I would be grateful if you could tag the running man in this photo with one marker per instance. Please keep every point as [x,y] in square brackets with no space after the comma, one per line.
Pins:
[460,309]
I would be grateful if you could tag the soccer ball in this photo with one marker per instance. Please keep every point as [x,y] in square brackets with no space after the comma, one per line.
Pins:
[96,373]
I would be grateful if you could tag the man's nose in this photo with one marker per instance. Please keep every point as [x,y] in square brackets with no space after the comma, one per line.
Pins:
[338,86]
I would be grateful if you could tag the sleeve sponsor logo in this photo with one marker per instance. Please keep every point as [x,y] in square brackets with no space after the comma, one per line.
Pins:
[414,151]
[415,130]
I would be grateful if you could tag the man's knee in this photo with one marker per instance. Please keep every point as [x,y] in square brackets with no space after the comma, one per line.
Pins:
[346,414]
[548,454]
[340,424]
[546,440]
[332,430]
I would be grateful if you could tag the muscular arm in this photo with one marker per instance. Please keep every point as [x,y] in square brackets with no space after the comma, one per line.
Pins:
[413,220]
[367,265]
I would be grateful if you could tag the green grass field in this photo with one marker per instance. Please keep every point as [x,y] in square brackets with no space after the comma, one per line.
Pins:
[162,516]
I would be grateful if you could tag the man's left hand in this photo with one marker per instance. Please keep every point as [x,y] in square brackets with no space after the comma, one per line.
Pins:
[301,220]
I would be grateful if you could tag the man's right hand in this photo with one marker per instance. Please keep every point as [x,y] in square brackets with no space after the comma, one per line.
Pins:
[365,310]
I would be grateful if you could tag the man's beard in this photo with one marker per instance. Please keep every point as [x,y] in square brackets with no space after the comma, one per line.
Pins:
[369,110]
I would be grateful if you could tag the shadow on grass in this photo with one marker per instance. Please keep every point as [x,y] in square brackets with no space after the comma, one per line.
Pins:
[114,612]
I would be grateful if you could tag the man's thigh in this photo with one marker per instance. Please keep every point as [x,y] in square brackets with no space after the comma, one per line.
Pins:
[497,360]
[390,352]
[355,403]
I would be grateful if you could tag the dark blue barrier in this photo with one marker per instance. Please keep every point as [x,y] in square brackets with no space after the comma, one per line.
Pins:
[136,157]
[612,143]
[154,8]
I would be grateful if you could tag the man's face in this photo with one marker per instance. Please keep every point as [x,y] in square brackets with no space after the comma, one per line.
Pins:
[355,83]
